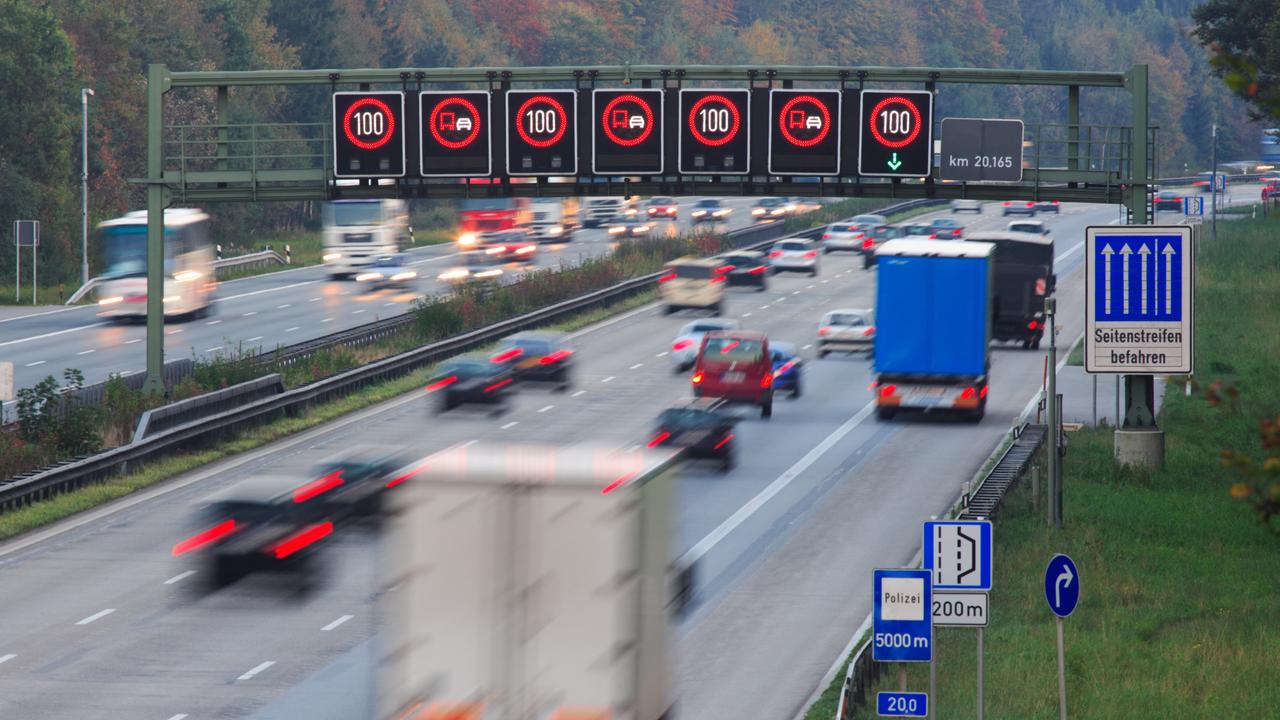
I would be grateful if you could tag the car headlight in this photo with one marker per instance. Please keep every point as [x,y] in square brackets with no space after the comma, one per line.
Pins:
[757,211]
[455,274]
[186,276]
[173,298]
[555,230]
[405,275]
[468,239]
[111,300]
[367,276]
[330,257]
[617,229]
[489,273]
[698,213]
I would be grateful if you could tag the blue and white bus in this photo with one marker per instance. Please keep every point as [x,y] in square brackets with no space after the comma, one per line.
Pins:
[189,281]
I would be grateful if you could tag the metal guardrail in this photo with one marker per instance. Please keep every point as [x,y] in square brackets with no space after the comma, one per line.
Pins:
[255,259]
[186,411]
[1009,461]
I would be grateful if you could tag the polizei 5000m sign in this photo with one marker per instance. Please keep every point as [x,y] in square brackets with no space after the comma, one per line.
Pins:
[1139,291]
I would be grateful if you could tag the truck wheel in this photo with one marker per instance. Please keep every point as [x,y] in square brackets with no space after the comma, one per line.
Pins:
[795,391]
[766,410]
[866,262]
[667,309]
[822,353]
[886,413]
[1036,344]
[716,309]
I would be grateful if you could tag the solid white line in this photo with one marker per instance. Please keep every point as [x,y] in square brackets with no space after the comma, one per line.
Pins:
[49,312]
[286,305]
[746,511]
[254,339]
[213,322]
[127,373]
[637,366]
[611,377]
[580,392]
[295,327]
[130,342]
[52,334]
[96,616]
[87,352]
[7,658]
[336,623]
[542,410]
[251,313]
[607,323]
[1069,252]
[180,577]
[33,364]
[511,424]
[249,675]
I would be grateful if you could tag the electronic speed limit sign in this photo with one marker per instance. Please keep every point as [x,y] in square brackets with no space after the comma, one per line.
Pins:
[715,132]
[896,130]
[542,133]
[368,135]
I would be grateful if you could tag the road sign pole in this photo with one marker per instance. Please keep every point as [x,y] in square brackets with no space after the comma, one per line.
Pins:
[1062,674]
[35,260]
[902,677]
[981,671]
[933,678]
[1213,184]
[157,84]
[1050,311]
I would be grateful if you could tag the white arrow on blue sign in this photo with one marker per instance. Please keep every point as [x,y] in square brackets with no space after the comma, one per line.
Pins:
[1062,585]
[901,616]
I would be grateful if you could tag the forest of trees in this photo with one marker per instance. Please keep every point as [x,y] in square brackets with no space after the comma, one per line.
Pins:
[49,49]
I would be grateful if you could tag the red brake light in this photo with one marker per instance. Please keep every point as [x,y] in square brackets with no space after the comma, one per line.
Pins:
[983,392]
[318,487]
[724,442]
[955,233]
[887,390]
[725,268]
[868,331]
[766,380]
[826,235]
[697,378]
[1006,203]
[201,539]
[968,393]
[868,244]
[823,331]
[506,355]
[497,385]
[303,538]
[775,253]
[446,382]
[1030,203]
[757,270]
[933,236]
[1055,202]
[555,357]
[718,279]
[1033,325]
[668,276]
[659,439]
[811,254]
[681,344]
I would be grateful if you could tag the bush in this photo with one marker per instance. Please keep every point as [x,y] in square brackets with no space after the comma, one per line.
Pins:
[49,416]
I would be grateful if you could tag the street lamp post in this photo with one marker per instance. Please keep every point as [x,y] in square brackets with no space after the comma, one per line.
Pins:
[84,184]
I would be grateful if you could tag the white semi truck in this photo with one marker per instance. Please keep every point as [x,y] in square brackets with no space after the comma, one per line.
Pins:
[554,219]
[357,232]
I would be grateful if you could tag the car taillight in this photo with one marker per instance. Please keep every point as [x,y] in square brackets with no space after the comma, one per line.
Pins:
[555,357]
[442,383]
[826,235]
[1030,203]
[1055,202]
[868,331]
[506,355]
[681,344]
[725,268]
[887,390]
[718,279]
[199,540]
[933,236]
[498,385]
[955,233]
[724,442]
[811,254]
[766,381]
[757,270]
[302,539]
[668,276]
[775,253]
[968,393]
[1006,203]
[659,439]
[697,378]
[868,244]
[822,332]
[1033,325]
[983,392]
[318,487]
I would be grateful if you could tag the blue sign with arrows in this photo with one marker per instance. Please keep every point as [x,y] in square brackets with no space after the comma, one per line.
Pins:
[1138,278]
[1062,585]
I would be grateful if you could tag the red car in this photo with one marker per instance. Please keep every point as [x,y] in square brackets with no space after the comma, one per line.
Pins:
[735,365]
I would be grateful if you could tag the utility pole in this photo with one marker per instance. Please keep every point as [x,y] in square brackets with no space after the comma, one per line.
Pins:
[1214,183]
[84,184]
[1051,404]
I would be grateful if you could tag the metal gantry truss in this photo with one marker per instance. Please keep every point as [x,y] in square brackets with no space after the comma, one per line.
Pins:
[225,162]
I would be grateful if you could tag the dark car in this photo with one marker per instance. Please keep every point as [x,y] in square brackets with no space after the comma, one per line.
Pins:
[947,229]
[472,380]
[630,227]
[698,427]
[877,236]
[787,367]
[746,267]
[1168,200]
[352,483]
[709,210]
[537,357]
[259,526]
[1050,206]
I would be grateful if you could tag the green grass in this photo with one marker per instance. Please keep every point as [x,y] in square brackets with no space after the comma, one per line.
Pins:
[1178,616]
[1076,356]
[55,294]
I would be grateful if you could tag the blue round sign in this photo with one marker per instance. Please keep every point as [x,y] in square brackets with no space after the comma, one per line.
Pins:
[1062,585]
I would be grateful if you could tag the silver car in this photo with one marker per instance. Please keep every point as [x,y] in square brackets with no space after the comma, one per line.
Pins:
[684,349]
[966,205]
[843,237]
[847,331]
[794,255]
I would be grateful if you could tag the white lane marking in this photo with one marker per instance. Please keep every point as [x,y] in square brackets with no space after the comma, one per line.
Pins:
[213,349]
[661,354]
[174,331]
[511,424]
[746,511]
[315,299]
[33,364]
[263,666]
[96,616]
[87,352]
[746,315]
[389,304]
[607,323]
[764,307]
[286,305]
[7,658]
[611,377]
[179,716]
[809,287]
[127,373]
[580,392]
[327,320]
[544,409]
[637,366]
[824,282]
[130,342]
[52,334]
[267,290]
[255,338]
[345,292]
[795,292]
[357,312]
[48,312]
[806,347]
[213,322]
[295,327]
[1070,251]
[251,313]
[336,623]
[434,259]
[179,577]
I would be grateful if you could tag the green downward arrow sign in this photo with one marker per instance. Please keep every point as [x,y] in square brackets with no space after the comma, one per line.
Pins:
[895,163]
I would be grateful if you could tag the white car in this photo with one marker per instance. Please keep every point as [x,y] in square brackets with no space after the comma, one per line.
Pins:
[843,237]
[794,255]
[846,330]
[869,219]
[1035,227]
[684,349]
[966,205]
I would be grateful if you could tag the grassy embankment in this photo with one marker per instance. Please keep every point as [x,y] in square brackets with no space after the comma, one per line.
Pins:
[1178,615]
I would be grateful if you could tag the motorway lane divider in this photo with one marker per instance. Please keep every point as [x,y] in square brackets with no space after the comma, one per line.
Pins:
[72,475]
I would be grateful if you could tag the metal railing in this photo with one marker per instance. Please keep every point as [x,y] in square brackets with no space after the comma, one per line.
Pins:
[261,258]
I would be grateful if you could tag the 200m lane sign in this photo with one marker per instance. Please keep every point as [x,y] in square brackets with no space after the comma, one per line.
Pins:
[960,609]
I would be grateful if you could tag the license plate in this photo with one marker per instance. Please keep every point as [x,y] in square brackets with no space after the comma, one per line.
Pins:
[734,377]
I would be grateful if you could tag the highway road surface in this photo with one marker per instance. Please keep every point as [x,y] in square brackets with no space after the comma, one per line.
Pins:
[99,620]
[259,312]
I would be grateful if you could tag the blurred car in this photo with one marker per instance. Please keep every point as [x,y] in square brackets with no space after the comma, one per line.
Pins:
[663,207]
[966,205]
[1035,227]
[846,331]
[387,271]
[1168,200]
[746,267]
[842,236]
[877,236]
[696,426]
[771,209]
[735,365]
[471,379]
[1204,181]
[695,283]
[630,227]
[869,220]
[787,367]
[258,525]
[684,349]
[473,267]
[947,229]
[920,231]
[515,245]
[1270,189]
[794,255]
[1051,206]
[352,483]
[709,210]
[537,357]
[1018,207]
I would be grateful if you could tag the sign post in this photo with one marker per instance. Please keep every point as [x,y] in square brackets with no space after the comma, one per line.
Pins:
[1062,592]
[958,555]
[26,233]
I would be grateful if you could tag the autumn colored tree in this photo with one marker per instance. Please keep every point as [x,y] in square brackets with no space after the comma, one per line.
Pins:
[1243,36]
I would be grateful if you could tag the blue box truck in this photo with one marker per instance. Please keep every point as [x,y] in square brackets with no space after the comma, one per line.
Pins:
[933,326]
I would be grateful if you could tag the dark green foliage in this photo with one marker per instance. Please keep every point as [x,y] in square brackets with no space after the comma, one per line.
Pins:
[48,417]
